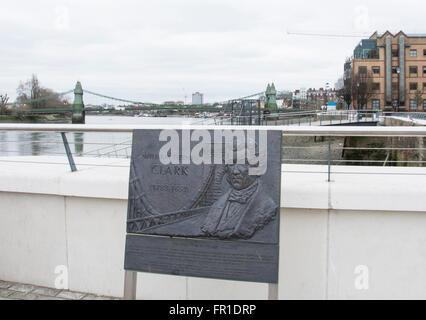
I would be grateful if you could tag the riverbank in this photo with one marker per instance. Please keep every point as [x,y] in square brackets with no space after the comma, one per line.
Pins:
[49,118]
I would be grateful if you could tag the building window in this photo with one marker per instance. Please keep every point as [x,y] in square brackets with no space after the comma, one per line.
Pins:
[424,86]
[413,70]
[376,70]
[376,104]
[362,70]
[362,86]
[424,70]
[424,105]
[376,86]
[395,53]
[395,70]
[424,52]
[413,53]
[395,103]
[413,85]
[413,105]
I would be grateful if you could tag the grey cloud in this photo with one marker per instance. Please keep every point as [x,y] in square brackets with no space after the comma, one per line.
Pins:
[156,50]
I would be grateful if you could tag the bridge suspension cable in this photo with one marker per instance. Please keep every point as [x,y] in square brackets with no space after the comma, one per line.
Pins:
[154,104]
[118,99]
[255,95]
[242,98]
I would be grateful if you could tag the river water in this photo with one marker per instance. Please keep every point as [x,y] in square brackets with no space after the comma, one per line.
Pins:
[14,143]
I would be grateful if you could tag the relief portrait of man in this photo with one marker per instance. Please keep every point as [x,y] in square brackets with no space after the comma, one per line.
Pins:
[230,202]
[242,210]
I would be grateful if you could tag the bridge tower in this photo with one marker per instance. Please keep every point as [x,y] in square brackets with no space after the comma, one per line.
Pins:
[271,99]
[78,113]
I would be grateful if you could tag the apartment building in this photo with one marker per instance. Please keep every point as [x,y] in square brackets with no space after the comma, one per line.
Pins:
[197,98]
[321,94]
[397,66]
[300,94]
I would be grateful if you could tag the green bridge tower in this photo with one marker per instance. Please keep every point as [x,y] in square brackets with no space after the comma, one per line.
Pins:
[271,99]
[78,113]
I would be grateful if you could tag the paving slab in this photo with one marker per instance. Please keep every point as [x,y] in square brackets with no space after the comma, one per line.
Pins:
[19,291]
[23,296]
[4,293]
[94,297]
[46,291]
[71,295]
[41,297]
[23,288]
[5,284]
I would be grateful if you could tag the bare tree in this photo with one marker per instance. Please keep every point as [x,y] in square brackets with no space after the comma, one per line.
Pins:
[344,90]
[45,98]
[362,88]
[418,97]
[29,90]
[3,102]
[339,84]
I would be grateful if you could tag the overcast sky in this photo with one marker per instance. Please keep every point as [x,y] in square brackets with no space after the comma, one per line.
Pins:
[159,50]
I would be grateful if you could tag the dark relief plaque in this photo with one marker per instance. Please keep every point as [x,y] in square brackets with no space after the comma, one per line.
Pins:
[213,219]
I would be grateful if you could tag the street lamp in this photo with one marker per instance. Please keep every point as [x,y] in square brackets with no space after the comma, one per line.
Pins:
[327,86]
[357,95]
[398,71]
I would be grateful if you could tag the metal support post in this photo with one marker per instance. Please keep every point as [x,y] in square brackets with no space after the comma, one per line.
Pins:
[258,113]
[273,291]
[68,152]
[232,113]
[329,158]
[130,281]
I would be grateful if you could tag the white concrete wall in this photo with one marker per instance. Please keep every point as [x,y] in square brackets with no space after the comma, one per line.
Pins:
[366,216]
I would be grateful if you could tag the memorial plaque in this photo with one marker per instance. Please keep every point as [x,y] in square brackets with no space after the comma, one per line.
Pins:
[205,203]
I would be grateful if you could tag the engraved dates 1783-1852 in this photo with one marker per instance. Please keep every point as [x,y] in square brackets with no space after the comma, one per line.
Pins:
[208,193]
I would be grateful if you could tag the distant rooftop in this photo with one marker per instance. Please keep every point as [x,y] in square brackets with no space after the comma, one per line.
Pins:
[366,49]
[410,35]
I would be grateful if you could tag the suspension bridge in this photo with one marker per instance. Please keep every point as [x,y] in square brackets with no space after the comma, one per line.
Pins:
[243,106]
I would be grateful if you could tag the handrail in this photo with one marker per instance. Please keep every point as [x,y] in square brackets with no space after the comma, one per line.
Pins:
[286,130]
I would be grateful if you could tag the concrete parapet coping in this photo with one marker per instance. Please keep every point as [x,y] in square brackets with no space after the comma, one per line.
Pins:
[95,178]
[354,188]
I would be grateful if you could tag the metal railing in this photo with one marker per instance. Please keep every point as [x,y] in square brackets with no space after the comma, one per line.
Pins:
[409,115]
[325,142]
[286,130]
[307,118]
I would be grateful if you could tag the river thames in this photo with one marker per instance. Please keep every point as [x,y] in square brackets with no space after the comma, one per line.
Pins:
[15,143]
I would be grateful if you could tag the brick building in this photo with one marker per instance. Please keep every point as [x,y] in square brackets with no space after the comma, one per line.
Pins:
[314,98]
[397,65]
[322,95]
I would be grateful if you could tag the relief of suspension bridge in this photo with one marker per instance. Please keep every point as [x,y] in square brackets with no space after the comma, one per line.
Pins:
[245,110]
